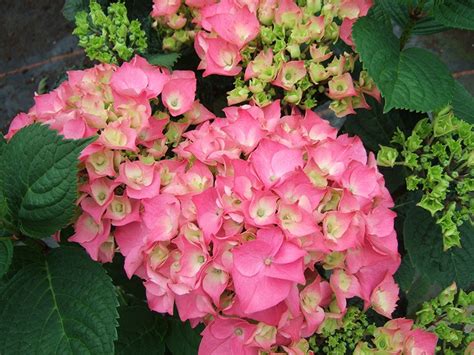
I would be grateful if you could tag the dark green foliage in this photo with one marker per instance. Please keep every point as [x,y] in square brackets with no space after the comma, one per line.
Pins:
[63,303]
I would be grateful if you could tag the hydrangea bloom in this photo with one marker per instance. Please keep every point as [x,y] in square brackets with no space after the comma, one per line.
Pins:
[275,48]
[120,169]
[258,225]
[251,209]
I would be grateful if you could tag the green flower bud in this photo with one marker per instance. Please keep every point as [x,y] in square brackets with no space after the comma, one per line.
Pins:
[382,341]
[425,316]
[294,96]
[261,99]
[294,50]
[170,44]
[331,32]
[423,128]
[317,73]
[412,182]
[256,85]
[237,95]
[447,295]
[414,142]
[430,204]
[312,7]
[443,123]
[387,156]
[268,74]
[267,35]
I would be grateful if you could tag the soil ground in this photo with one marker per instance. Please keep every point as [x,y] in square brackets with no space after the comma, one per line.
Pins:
[36,44]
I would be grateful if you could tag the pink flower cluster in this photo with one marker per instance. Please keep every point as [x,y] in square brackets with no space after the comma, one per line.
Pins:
[250,211]
[121,168]
[258,225]
[275,46]
[397,336]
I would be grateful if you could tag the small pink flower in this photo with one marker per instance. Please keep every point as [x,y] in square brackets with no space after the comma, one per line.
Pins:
[21,120]
[119,135]
[122,210]
[179,92]
[265,270]
[262,61]
[222,58]
[209,211]
[290,73]
[159,296]
[238,28]
[272,161]
[99,161]
[165,7]
[261,209]
[138,77]
[341,86]
[161,216]
[420,342]
[345,31]
[142,180]
[227,336]
[385,296]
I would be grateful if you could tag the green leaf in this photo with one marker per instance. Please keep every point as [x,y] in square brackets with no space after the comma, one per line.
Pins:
[400,11]
[181,339]
[6,254]
[424,244]
[62,304]
[455,13]
[413,79]
[72,7]
[167,60]
[417,288]
[141,331]
[463,103]
[39,176]
[23,255]
[130,288]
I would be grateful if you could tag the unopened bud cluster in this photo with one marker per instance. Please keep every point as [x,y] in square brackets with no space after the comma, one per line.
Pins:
[439,154]
[450,316]
[109,38]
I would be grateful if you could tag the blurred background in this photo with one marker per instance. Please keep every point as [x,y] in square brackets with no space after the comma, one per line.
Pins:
[37,48]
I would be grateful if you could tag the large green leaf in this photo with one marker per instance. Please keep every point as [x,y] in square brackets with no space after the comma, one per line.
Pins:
[413,79]
[416,287]
[181,339]
[141,331]
[424,244]
[39,176]
[463,103]
[62,304]
[455,13]
[6,254]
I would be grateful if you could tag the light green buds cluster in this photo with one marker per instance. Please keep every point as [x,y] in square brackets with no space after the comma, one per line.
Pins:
[111,37]
[450,315]
[342,336]
[439,154]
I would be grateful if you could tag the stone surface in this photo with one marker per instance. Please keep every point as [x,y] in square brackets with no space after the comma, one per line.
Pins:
[35,43]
